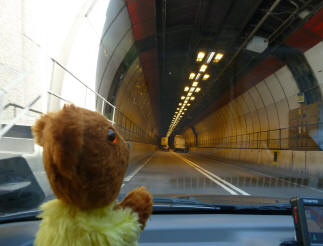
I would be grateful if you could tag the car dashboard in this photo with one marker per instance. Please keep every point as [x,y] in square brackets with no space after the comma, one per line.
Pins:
[186,229]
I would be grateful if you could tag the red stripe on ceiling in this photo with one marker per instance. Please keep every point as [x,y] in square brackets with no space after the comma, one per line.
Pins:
[143,20]
[309,34]
[149,65]
[257,74]
[142,16]
[143,30]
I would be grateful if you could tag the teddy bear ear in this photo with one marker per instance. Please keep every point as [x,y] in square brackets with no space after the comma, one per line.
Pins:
[38,129]
[67,134]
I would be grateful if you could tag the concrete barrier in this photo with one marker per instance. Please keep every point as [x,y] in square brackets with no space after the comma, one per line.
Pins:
[16,145]
[140,151]
[301,162]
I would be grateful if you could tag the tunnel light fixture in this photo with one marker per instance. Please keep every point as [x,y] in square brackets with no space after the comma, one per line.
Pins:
[192,98]
[186,101]
[192,89]
[182,97]
[210,57]
[177,108]
[189,94]
[206,76]
[180,104]
[182,113]
[197,89]
[185,109]
[186,88]
[198,76]
[195,83]
[200,56]
[188,104]
[192,76]
[203,68]
[218,57]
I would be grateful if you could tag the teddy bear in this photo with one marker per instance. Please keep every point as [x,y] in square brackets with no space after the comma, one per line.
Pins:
[85,160]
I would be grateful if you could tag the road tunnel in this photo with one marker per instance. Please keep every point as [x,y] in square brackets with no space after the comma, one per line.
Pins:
[242,81]
[256,107]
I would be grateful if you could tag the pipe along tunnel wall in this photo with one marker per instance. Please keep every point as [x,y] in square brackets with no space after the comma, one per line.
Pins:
[266,125]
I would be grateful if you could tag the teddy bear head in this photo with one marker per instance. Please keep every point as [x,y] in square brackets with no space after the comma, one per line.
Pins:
[85,159]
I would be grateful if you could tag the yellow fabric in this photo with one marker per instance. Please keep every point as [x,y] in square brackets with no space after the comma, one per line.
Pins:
[63,225]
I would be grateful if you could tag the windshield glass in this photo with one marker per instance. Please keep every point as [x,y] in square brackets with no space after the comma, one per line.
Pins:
[218,101]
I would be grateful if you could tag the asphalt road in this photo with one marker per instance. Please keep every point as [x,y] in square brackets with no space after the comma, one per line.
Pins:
[187,173]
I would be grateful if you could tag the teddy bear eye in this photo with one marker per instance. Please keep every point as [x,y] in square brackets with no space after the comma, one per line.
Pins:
[112,136]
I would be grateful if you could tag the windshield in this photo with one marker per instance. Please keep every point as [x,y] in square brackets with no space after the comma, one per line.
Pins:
[219,101]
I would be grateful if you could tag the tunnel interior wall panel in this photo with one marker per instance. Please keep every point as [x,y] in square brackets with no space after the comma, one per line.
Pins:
[263,108]
[134,101]
[314,57]
[140,151]
[289,161]
[116,40]
[131,96]
[256,115]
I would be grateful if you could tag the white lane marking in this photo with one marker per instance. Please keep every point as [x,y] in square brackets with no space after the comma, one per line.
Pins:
[214,176]
[130,176]
[209,177]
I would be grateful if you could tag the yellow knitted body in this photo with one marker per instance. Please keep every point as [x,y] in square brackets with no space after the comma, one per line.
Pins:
[63,224]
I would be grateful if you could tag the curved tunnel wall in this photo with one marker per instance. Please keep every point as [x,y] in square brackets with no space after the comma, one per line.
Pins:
[133,99]
[247,127]
[261,108]
[120,79]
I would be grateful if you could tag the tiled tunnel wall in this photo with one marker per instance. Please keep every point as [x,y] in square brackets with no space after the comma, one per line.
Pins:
[120,78]
[254,125]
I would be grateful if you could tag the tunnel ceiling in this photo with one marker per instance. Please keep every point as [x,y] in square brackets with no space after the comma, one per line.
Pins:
[183,27]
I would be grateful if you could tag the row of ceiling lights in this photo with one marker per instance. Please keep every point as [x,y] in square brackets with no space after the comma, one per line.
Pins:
[186,100]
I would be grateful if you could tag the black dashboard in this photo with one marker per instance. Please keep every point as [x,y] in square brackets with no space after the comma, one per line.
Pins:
[186,229]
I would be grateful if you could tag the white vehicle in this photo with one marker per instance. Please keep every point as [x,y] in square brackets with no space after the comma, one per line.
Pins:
[179,143]
[164,144]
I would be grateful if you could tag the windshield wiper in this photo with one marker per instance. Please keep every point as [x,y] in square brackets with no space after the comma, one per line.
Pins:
[276,207]
[176,205]
[166,205]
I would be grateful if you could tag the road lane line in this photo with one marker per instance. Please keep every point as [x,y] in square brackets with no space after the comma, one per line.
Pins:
[232,192]
[130,176]
[229,185]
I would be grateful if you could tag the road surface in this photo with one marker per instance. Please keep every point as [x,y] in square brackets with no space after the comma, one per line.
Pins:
[188,173]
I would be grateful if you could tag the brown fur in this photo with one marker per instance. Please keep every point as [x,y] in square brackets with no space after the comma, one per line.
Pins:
[140,201]
[84,168]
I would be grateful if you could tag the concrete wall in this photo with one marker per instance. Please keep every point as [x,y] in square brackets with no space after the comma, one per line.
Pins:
[33,32]
[119,71]
[133,99]
[263,107]
[116,40]
[139,152]
[288,161]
